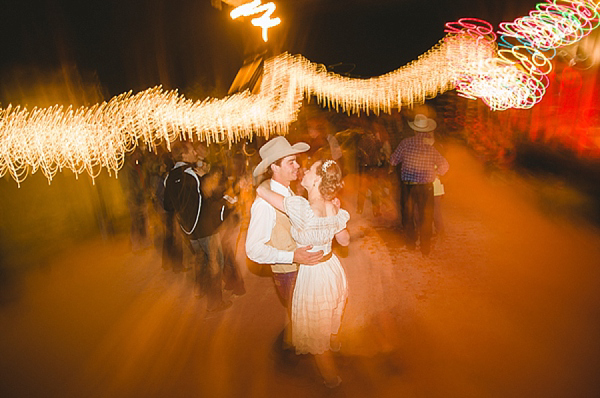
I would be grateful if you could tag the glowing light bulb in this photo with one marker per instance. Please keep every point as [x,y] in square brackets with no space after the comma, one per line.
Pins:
[264,21]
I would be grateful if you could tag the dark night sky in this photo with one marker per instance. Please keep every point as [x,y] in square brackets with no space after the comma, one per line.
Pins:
[135,44]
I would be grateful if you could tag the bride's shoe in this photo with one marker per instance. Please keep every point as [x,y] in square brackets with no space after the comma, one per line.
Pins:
[333,383]
[335,344]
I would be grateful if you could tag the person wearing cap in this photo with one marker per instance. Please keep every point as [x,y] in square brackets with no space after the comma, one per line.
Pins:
[269,239]
[420,164]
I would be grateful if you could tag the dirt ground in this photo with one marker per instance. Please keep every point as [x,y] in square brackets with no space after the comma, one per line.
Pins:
[507,305]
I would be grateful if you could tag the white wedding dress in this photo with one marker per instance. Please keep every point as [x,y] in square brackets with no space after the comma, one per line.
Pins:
[321,290]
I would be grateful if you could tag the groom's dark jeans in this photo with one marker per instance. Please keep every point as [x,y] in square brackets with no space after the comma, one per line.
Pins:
[285,283]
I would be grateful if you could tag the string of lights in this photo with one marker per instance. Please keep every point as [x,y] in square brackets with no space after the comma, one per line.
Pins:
[89,139]
[517,78]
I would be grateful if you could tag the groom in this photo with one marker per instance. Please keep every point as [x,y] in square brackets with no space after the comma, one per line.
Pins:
[269,240]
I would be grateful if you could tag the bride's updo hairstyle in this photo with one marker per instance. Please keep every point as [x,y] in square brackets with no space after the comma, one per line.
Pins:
[331,178]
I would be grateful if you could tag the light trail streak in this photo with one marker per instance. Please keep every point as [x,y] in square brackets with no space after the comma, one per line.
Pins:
[88,139]
[518,79]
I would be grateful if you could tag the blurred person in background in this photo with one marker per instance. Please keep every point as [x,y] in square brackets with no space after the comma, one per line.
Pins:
[231,163]
[215,212]
[135,185]
[373,151]
[438,194]
[202,155]
[198,212]
[172,249]
[181,201]
[321,139]
[228,190]
[420,164]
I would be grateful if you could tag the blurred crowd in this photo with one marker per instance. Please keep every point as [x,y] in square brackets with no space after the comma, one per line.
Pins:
[204,235]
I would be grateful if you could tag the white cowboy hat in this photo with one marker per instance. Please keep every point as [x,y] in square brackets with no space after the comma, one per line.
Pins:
[275,149]
[422,123]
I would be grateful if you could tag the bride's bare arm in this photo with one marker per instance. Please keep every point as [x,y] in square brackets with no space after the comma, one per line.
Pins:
[274,199]
[343,237]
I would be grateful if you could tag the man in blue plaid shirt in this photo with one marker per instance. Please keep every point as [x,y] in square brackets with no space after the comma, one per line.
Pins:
[420,163]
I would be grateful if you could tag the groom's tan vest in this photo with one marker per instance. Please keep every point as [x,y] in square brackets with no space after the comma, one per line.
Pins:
[281,239]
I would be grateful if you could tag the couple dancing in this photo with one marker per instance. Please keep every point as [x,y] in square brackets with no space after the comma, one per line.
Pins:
[294,236]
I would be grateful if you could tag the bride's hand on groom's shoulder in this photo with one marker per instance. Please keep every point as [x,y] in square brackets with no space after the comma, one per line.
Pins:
[262,189]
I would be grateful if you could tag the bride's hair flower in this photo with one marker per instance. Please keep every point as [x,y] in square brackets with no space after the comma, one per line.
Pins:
[331,179]
[326,164]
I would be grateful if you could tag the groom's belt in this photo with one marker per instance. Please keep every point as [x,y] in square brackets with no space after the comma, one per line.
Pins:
[284,268]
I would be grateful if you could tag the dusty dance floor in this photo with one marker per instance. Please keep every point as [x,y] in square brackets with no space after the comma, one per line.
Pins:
[507,305]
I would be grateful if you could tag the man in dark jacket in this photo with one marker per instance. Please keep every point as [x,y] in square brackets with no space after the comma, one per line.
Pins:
[199,212]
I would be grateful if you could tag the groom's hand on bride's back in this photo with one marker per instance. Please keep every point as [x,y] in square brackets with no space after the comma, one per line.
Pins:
[303,256]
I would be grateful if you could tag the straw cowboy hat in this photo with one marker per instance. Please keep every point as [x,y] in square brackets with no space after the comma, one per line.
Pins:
[422,123]
[275,149]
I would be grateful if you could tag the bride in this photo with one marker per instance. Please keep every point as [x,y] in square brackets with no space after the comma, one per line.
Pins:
[321,290]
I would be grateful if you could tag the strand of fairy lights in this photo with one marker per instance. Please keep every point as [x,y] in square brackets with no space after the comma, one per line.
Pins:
[88,139]
[517,78]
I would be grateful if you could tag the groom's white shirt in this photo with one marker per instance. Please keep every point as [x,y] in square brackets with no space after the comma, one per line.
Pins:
[262,222]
